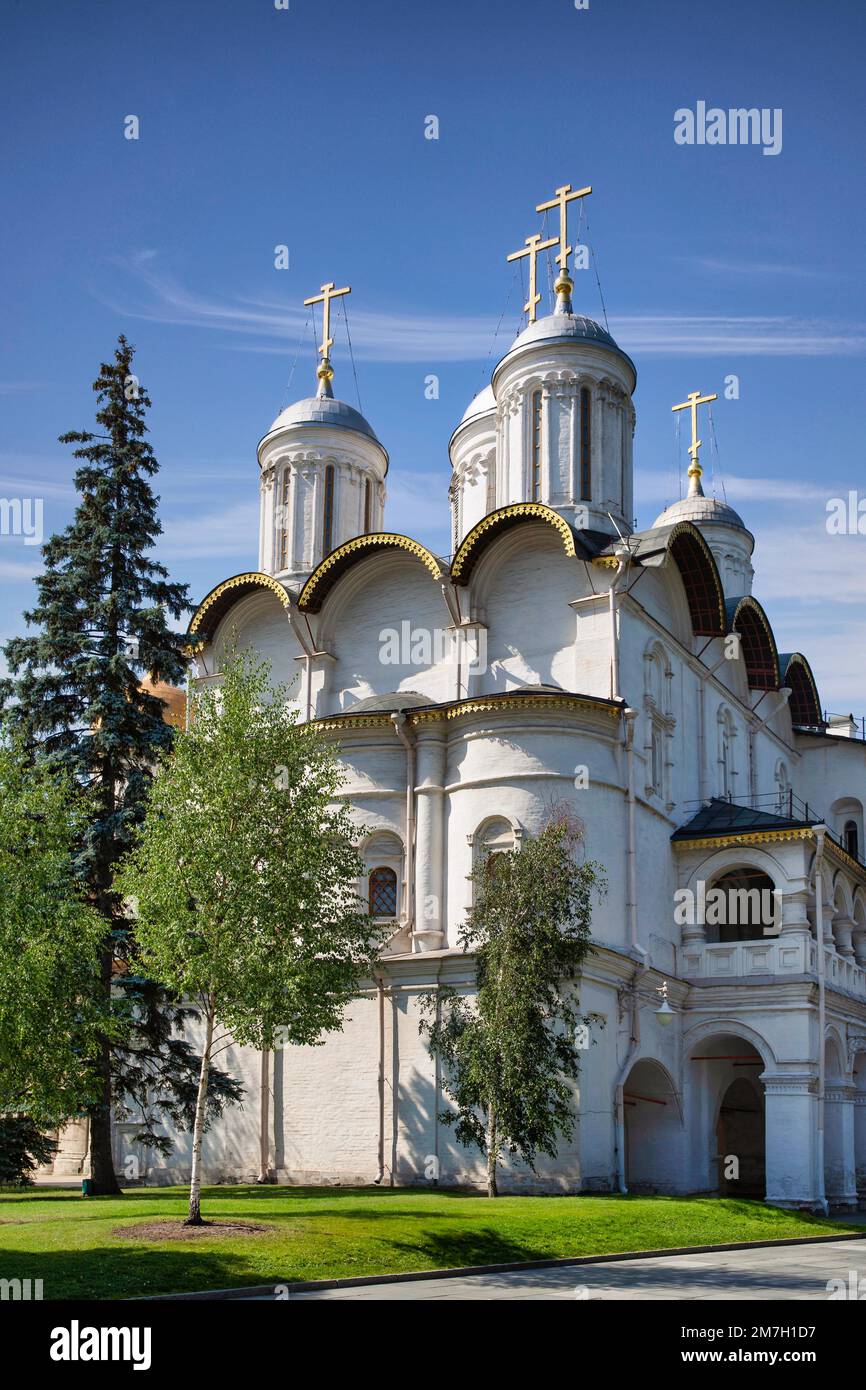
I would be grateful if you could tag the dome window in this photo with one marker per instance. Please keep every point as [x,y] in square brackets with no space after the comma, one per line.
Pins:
[535,459]
[585,445]
[328,512]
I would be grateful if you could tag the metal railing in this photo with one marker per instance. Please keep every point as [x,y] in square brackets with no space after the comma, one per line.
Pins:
[784,803]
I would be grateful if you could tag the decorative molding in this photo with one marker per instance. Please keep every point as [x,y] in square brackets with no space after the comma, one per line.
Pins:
[252,578]
[487,705]
[517,511]
[390,540]
[755,837]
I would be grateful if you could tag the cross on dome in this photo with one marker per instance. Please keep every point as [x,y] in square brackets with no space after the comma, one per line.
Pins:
[324,371]
[692,401]
[534,245]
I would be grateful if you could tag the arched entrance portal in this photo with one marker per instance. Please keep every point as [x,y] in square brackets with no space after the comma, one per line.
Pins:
[653,1130]
[726,1110]
[740,1140]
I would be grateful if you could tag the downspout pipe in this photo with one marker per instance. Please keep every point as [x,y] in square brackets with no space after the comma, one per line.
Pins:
[623,556]
[380,1156]
[641,966]
[820,832]
[400,726]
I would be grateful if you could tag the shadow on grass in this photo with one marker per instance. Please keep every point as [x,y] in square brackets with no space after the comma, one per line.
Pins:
[109,1273]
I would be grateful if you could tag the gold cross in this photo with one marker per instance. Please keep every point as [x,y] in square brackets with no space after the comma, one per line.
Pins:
[692,402]
[533,246]
[564,196]
[328,293]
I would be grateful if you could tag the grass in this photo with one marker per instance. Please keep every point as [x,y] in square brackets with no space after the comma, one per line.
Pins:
[322,1233]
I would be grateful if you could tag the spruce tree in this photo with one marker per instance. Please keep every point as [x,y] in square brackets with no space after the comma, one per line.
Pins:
[104,614]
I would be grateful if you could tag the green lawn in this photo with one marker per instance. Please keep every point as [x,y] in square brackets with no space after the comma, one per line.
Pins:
[321,1233]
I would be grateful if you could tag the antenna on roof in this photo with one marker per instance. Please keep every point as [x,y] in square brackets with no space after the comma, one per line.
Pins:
[623,540]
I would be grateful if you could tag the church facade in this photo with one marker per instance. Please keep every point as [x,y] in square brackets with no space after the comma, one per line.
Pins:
[560,656]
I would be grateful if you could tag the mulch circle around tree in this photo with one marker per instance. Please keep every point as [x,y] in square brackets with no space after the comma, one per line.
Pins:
[176,1230]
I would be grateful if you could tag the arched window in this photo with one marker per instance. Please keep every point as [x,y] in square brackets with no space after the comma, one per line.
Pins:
[535,448]
[741,906]
[383,892]
[328,512]
[368,506]
[490,843]
[585,444]
[727,770]
[851,839]
[660,721]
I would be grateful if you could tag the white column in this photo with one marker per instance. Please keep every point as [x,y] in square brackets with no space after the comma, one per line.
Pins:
[429,841]
[840,1182]
[791,1117]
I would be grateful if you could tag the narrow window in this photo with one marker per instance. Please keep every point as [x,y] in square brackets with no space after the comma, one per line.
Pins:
[284,522]
[328,512]
[851,839]
[383,893]
[585,444]
[368,507]
[535,480]
[657,773]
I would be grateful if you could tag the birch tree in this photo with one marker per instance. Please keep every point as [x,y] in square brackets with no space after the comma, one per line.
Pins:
[244,878]
[512,1052]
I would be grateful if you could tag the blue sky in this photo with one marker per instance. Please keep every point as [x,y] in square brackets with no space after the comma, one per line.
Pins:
[305,127]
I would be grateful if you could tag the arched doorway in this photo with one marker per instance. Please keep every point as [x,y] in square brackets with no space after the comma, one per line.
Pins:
[653,1130]
[740,1140]
[725,1109]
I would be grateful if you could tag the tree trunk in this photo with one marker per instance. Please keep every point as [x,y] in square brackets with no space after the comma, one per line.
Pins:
[492,1153]
[194,1217]
[102,1174]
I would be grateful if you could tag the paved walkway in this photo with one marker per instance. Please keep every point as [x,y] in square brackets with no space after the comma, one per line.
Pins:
[779,1272]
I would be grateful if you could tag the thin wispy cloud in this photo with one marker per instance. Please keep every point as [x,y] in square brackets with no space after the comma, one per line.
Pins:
[19,388]
[17,571]
[273,326]
[799,271]
[230,532]
[654,486]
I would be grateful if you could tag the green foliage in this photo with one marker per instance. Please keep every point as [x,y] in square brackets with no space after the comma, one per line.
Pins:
[104,615]
[51,1009]
[23,1148]
[511,1053]
[103,612]
[244,875]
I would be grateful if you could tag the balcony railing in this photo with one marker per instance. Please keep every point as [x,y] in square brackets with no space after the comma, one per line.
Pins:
[780,957]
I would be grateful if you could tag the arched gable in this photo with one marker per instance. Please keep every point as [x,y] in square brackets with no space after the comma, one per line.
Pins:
[758,645]
[214,607]
[325,576]
[805,704]
[686,546]
[700,576]
[476,542]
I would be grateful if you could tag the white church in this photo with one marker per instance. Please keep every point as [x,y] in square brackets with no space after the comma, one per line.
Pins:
[559,655]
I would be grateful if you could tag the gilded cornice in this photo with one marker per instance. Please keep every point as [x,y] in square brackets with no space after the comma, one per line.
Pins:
[252,579]
[490,704]
[308,597]
[466,556]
